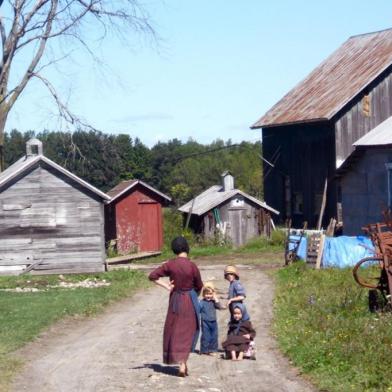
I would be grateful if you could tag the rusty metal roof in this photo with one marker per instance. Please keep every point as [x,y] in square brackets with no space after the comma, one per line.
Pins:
[125,186]
[335,82]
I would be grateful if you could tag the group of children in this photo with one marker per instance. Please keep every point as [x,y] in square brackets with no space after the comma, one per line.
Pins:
[240,332]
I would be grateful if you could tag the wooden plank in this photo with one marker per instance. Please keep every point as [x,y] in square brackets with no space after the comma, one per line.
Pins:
[320,252]
[134,256]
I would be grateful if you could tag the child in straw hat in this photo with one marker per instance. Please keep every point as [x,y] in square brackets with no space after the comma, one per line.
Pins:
[237,292]
[209,324]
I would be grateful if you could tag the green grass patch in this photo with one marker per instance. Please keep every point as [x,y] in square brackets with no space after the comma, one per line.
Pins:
[323,324]
[24,315]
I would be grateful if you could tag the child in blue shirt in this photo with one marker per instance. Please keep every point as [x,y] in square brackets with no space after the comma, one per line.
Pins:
[237,292]
[209,324]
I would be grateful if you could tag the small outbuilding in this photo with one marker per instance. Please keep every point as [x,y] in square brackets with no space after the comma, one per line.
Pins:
[134,217]
[366,179]
[228,212]
[51,221]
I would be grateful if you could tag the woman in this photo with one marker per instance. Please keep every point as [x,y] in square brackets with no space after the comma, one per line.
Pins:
[182,319]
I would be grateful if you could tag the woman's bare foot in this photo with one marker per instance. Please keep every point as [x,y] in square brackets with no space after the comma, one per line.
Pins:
[240,356]
[182,370]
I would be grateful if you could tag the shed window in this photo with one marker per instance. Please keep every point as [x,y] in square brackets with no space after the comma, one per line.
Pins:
[389,173]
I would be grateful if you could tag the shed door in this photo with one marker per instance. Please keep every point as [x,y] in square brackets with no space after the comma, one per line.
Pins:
[238,225]
[151,227]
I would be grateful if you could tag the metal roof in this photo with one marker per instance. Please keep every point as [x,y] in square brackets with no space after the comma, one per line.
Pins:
[215,196]
[125,186]
[26,162]
[335,82]
[378,136]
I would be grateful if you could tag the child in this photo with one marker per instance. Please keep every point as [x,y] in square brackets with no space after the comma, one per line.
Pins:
[236,290]
[209,325]
[239,335]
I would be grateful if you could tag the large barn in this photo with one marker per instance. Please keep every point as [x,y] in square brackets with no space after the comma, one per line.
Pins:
[51,221]
[310,132]
[224,211]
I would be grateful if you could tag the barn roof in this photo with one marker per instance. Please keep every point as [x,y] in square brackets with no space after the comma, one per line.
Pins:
[378,136]
[125,186]
[335,82]
[215,196]
[26,162]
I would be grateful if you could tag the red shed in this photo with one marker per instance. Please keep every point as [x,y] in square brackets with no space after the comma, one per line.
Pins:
[134,217]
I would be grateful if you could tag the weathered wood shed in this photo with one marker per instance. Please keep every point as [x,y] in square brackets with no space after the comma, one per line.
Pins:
[134,217]
[226,211]
[366,179]
[51,221]
[309,133]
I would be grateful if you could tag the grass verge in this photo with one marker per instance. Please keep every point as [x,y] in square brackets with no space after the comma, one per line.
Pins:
[23,315]
[323,325]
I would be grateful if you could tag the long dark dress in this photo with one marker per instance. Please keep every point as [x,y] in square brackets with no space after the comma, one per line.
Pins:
[235,340]
[181,319]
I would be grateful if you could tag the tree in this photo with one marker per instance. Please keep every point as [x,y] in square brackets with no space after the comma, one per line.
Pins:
[27,27]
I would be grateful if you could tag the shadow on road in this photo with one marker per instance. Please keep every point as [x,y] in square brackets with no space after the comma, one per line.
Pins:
[169,370]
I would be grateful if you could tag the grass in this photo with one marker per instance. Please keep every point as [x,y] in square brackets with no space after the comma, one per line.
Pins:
[323,324]
[24,315]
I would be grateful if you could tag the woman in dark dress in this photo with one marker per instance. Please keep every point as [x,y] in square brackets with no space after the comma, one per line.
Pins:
[182,319]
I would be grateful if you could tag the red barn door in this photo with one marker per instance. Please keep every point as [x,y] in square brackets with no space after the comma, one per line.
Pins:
[151,226]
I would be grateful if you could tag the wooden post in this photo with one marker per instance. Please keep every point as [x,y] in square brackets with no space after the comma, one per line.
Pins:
[320,221]
[188,218]
[320,251]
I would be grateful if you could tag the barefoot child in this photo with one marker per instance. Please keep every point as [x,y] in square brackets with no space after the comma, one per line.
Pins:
[209,325]
[236,290]
[239,335]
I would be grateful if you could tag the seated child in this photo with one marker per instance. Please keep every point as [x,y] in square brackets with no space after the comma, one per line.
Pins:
[209,325]
[239,335]
[236,290]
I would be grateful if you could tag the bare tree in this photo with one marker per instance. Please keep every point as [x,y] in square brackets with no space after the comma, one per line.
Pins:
[28,26]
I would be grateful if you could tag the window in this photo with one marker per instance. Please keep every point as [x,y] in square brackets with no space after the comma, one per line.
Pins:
[298,203]
[366,108]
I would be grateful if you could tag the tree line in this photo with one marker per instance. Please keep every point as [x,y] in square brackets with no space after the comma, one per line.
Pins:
[180,169]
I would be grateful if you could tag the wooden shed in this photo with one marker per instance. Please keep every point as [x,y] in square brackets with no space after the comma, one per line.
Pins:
[51,221]
[310,132]
[133,218]
[366,179]
[228,212]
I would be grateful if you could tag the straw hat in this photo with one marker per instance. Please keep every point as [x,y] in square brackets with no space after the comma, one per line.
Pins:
[231,269]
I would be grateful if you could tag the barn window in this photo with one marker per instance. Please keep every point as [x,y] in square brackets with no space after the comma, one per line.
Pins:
[389,171]
[298,204]
[366,109]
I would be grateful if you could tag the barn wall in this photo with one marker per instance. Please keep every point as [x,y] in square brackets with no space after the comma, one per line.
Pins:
[304,154]
[43,216]
[242,223]
[365,191]
[139,221]
[354,121]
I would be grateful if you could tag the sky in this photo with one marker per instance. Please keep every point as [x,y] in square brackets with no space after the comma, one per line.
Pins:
[217,67]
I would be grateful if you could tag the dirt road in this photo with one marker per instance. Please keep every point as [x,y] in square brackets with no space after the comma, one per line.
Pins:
[121,349]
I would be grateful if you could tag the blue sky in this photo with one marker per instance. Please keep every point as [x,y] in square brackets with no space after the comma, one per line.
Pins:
[218,67]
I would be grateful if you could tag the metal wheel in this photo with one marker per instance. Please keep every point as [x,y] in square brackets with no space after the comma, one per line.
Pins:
[371,282]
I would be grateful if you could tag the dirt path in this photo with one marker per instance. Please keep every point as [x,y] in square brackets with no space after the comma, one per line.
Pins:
[120,350]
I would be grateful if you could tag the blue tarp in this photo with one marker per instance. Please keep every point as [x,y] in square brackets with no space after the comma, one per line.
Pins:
[339,252]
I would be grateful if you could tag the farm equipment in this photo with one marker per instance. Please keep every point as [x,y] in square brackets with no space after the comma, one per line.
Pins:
[380,286]
[292,243]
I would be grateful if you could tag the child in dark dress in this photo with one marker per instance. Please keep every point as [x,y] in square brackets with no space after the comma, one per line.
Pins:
[239,334]
[209,324]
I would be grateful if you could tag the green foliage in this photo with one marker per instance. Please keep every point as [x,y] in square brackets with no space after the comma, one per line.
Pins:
[323,324]
[180,169]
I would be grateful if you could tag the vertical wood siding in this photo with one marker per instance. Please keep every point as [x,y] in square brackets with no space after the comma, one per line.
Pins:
[353,123]
[365,191]
[46,217]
